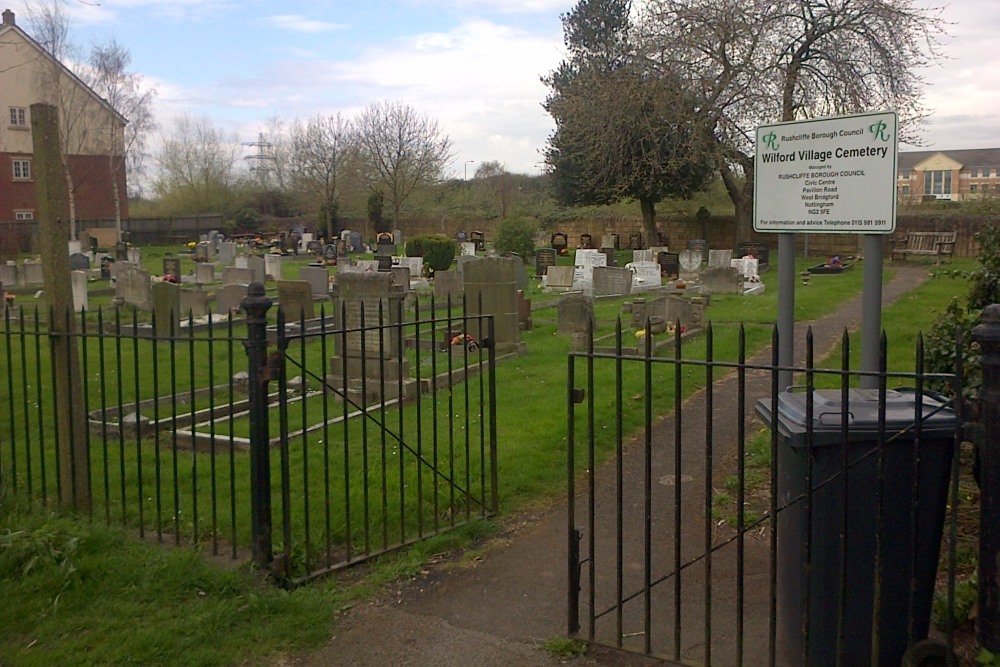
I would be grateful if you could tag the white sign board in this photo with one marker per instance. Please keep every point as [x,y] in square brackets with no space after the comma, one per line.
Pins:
[827,175]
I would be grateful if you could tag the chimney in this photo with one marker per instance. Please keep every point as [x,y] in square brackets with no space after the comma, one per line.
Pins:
[8,17]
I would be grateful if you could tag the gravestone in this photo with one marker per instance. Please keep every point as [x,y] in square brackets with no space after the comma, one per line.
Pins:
[643,256]
[524,312]
[748,268]
[609,280]
[464,261]
[229,298]
[227,253]
[272,266]
[357,245]
[78,280]
[468,249]
[107,261]
[384,262]
[544,258]
[609,254]
[193,302]
[232,275]
[719,258]
[172,267]
[166,300]
[609,241]
[670,263]
[690,261]
[479,239]
[318,279]
[721,280]
[447,284]
[635,241]
[8,273]
[414,264]
[586,241]
[756,250]
[316,248]
[74,246]
[491,289]
[31,272]
[690,313]
[520,272]
[305,240]
[560,243]
[400,276]
[397,238]
[330,253]
[700,246]
[364,351]
[133,254]
[257,267]
[584,262]
[576,319]
[79,262]
[295,298]
[461,237]
[645,276]
[132,287]
[121,252]
[560,277]
[204,273]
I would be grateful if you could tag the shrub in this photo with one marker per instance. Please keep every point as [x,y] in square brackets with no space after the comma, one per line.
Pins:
[438,252]
[516,234]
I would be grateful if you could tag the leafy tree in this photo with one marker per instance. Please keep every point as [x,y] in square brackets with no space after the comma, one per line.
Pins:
[516,234]
[498,184]
[750,63]
[621,131]
[403,148]
[376,203]
[197,168]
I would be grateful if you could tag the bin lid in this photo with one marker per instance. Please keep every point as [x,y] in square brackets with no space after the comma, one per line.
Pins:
[862,413]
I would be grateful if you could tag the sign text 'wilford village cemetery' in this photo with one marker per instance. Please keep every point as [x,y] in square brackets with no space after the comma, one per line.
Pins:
[827,175]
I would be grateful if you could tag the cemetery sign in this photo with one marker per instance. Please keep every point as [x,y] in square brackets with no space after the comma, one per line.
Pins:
[827,175]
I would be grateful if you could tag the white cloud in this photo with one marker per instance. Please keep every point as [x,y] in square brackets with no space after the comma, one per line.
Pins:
[299,23]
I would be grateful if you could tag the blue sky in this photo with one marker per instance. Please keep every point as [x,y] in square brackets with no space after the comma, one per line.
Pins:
[474,65]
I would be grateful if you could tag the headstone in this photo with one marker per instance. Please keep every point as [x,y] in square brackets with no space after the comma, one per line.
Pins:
[747,266]
[107,261]
[384,262]
[78,279]
[8,273]
[584,262]
[356,243]
[229,298]
[272,266]
[643,256]
[318,279]
[468,249]
[414,264]
[232,275]
[576,315]
[166,299]
[133,254]
[479,239]
[560,243]
[520,273]
[719,258]
[132,286]
[560,277]
[690,313]
[608,241]
[227,253]
[400,276]
[74,247]
[690,261]
[670,263]
[645,276]
[121,252]
[257,267]
[461,237]
[31,272]
[491,289]
[304,240]
[524,312]
[721,280]
[447,284]
[316,248]
[544,258]
[610,280]
[700,246]
[214,239]
[397,238]
[193,302]
[79,262]
[756,250]
[330,253]
[172,267]
[635,241]
[204,273]
[586,241]
[295,297]
[609,254]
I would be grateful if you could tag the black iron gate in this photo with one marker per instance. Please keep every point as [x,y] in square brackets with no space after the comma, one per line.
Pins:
[714,539]
[385,432]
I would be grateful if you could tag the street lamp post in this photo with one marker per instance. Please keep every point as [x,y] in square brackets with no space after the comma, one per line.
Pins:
[466,166]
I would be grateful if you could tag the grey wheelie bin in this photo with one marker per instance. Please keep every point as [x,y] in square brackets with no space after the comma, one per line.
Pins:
[908,503]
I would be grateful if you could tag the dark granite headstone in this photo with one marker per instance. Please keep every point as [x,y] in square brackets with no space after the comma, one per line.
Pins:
[121,252]
[544,258]
[384,262]
[461,237]
[172,267]
[699,245]
[330,253]
[479,239]
[560,242]
[586,240]
[754,249]
[106,263]
[635,241]
[610,254]
[669,262]
[79,262]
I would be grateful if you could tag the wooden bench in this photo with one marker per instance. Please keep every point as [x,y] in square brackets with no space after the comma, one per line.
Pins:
[931,244]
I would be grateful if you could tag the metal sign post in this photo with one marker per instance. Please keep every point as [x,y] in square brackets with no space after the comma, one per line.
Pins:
[828,175]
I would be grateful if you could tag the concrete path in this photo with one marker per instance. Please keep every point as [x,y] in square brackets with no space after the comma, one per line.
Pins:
[498,610]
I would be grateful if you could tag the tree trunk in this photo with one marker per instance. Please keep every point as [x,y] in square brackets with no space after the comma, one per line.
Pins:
[117,198]
[49,172]
[741,194]
[71,194]
[648,208]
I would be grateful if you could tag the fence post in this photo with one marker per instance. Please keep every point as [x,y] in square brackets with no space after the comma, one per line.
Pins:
[256,304]
[987,334]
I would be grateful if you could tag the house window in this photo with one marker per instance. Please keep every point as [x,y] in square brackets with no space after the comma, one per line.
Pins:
[937,182]
[972,188]
[906,189]
[22,170]
[974,173]
[24,215]
[904,174]
[18,116]
[986,172]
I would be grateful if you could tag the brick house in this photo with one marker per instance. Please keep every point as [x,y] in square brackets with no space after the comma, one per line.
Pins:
[29,74]
[953,175]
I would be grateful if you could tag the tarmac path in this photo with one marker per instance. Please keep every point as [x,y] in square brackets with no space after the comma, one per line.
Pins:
[498,610]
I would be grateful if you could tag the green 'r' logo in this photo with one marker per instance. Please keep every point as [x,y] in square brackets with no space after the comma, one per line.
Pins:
[878,131]
[770,140]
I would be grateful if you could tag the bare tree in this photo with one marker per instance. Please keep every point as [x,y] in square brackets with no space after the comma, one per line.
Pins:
[197,167]
[126,93]
[320,149]
[498,182]
[403,148]
[754,62]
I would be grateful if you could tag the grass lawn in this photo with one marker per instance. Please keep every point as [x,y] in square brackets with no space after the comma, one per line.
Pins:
[78,593]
